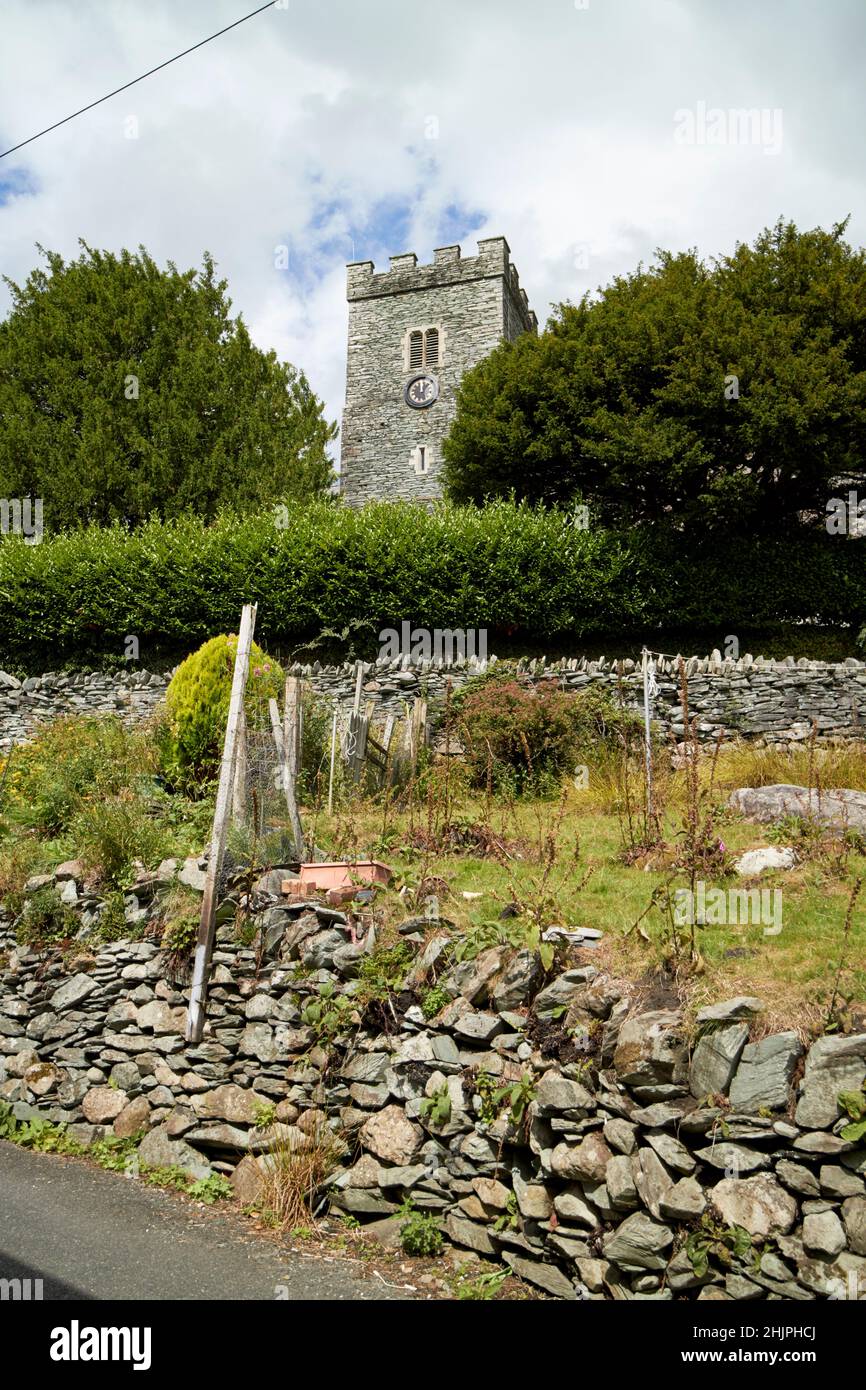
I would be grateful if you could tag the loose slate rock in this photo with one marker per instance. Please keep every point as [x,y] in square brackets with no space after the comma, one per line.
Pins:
[823,1234]
[854,1218]
[672,1153]
[651,1050]
[586,1160]
[478,1027]
[684,1201]
[638,1243]
[555,1093]
[763,1077]
[833,1064]
[73,992]
[518,982]
[730,1010]
[546,1277]
[715,1058]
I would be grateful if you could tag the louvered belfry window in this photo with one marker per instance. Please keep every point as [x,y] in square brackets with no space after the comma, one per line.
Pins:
[425,349]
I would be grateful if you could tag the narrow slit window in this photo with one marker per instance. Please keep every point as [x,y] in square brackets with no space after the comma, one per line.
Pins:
[422,458]
[416,350]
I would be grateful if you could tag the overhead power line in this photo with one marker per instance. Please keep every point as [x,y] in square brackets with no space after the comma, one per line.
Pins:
[127,85]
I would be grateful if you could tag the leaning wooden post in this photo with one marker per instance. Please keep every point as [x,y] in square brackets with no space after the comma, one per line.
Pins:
[333,757]
[292,758]
[222,814]
[648,686]
[357,735]
[239,785]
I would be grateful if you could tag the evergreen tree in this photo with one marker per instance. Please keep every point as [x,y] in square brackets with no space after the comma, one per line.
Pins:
[128,390]
[731,394]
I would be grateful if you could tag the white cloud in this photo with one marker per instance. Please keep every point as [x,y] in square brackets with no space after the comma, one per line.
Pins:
[308,127]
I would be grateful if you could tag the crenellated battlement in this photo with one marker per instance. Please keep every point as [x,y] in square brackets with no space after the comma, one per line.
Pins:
[448,267]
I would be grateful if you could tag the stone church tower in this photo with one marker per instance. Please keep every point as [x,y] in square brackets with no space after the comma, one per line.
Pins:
[413,331]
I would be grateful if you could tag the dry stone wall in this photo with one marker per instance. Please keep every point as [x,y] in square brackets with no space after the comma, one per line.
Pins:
[753,697]
[633,1159]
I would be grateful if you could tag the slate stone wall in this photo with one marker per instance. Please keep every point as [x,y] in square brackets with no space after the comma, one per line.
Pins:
[753,697]
[651,1156]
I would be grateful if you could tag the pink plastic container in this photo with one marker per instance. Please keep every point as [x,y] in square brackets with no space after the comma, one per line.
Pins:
[342,874]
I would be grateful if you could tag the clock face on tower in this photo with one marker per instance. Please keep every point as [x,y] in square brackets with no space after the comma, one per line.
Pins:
[421,390]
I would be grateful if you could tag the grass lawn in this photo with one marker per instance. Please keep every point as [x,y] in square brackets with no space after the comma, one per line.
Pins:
[88,788]
[573,873]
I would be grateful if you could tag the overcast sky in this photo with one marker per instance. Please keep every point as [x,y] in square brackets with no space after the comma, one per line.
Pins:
[356,129]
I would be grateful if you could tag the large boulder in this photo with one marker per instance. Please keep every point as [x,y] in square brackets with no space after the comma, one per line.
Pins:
[843,809]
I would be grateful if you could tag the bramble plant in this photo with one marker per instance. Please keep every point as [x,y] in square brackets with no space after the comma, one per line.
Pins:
[724,1243]
[328,1014]
[419,1233]
[854,1105]
[437,1108]
[526,736]
[433,1000]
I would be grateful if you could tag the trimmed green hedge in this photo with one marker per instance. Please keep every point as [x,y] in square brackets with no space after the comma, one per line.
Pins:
[511,569]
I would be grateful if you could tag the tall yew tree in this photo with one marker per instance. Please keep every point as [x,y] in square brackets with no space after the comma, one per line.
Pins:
[730,394]
[128,390]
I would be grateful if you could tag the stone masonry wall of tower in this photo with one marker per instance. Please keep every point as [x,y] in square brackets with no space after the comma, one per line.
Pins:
[473,303]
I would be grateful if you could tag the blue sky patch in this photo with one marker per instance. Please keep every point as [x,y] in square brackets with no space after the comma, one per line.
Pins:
[16,183]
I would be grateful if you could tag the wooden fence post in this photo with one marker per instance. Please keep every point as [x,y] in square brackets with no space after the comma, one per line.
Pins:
[222,814]
[292,758]
[333,757]
[239,783]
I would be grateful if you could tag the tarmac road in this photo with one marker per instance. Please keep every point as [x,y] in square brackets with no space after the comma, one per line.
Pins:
[89,1234]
